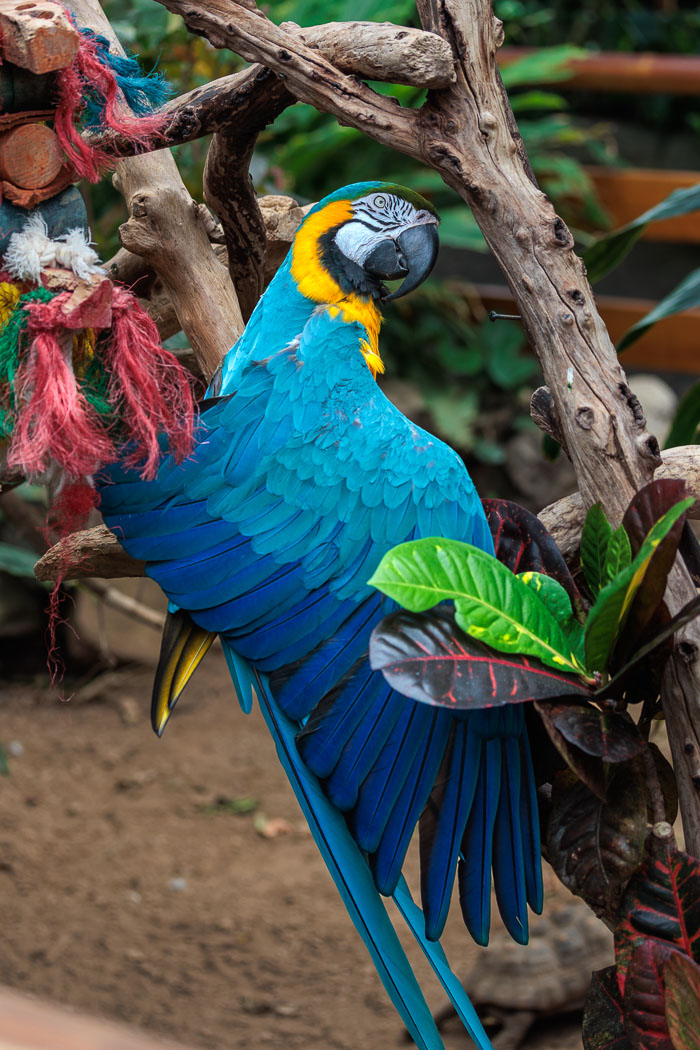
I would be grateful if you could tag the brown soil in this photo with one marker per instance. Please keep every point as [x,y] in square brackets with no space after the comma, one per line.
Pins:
[130,890]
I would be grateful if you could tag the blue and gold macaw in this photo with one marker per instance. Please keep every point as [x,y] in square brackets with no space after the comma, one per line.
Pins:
[303,476]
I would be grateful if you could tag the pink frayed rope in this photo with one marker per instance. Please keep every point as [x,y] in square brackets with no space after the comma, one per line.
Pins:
[88,160]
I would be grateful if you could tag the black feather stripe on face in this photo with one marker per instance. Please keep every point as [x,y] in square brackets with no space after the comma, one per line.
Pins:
[351,278]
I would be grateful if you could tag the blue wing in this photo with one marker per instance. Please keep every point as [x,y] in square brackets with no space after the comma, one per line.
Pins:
[301,480]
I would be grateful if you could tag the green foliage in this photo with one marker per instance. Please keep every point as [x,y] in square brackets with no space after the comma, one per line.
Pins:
[686,296]
[531,613]
[610,609]
[491,603]
[595,538]
[687,420]
[609,251]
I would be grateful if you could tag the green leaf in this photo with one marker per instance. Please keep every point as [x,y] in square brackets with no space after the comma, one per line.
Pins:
[491,603]
[607,617]
[684,429]
[686,296]
[4,764]
[618,555]
[17,561]
[610,250]
[537,100]
[551,593]
[546,65]
[595,537]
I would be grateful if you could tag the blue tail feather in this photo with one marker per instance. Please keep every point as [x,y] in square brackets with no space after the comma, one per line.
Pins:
[442,825]
[435,955]
[474,868]
[353,878]
[508,861]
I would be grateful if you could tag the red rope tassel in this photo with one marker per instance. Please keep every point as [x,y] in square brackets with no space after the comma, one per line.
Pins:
[87,160]
[54,420]
[150,389]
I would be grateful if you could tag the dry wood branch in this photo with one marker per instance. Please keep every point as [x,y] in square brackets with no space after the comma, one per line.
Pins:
[382,51]
[229,191]
[307,73]
[165,228]
[564,519]
[281,217]
[92,552]
[234,99]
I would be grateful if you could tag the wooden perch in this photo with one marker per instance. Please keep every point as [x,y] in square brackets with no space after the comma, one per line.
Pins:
[229,192]
[92,552]
[468,134]
[281,217]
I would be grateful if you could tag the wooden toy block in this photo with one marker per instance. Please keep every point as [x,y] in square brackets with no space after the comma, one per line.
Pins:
[30,156]
[37,35]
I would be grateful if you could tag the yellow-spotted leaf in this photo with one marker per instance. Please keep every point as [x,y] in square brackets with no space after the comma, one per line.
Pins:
[551,593]
[608,615]
[491,603]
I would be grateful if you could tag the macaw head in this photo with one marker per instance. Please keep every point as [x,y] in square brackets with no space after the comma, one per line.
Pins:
[361,236]
[353,241]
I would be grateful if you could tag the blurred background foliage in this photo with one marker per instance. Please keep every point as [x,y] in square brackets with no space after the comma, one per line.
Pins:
[450,369]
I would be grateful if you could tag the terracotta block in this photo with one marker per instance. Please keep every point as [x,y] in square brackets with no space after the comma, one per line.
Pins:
[37,35]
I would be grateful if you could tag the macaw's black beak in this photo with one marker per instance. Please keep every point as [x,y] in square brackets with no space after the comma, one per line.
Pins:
[411,256]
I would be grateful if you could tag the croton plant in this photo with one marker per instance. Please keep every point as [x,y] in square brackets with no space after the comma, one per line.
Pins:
[587,657]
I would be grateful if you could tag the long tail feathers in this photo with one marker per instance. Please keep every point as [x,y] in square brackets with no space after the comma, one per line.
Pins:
[353,878]
[415,920]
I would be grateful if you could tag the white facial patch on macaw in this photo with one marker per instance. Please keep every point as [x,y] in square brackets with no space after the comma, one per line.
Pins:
[377,217]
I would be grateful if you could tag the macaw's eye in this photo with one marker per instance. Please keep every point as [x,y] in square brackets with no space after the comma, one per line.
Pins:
[380,202]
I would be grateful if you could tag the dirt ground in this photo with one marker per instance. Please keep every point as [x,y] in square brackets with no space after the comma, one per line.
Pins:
[172,883]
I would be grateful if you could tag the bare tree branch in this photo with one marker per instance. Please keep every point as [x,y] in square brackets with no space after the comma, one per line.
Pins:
[382,51]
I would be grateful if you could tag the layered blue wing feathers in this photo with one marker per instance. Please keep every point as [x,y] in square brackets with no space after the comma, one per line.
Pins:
[303,476]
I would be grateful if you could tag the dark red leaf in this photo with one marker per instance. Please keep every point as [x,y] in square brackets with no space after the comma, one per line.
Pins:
[427,657]
[662,901]
[667,782]
[682,985]
[645,509]
[644,999]
[603,1022]
[609,735]
[591,770]
[595,846]
[524,545]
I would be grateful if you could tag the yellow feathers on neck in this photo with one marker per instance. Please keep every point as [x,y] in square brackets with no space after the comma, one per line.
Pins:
[315,283]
